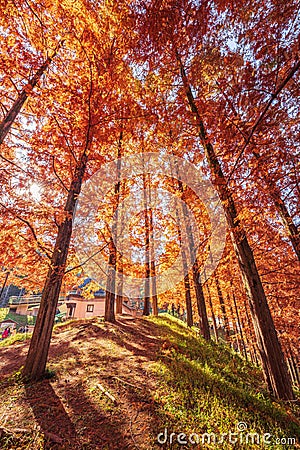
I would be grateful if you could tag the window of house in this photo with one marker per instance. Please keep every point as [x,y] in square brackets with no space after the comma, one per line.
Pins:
[90,308]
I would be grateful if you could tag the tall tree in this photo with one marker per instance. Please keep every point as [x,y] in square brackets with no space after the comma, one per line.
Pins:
[146,309]
[10,117]
[181,33]
[154,298]
[272,357]
[83,126]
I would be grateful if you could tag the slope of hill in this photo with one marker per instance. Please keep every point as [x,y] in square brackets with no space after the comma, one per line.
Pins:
[139,384]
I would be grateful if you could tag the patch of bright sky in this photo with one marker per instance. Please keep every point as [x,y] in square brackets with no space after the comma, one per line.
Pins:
[36,191]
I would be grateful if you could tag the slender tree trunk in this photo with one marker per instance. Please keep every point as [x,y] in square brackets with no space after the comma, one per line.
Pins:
[146,310]
[291,369]
[271,353]
[10,117]
[152,264]
[187,285]
[223,309]
[119,296]
[287,220]
[246,341]
[212,312]
[109,314]
[111,282]
[154,291]
[234,326]
[120,218]
[201,306]
[35,363]
[188,301]
[252,336]
[239,325]
[294,365]
[184,253]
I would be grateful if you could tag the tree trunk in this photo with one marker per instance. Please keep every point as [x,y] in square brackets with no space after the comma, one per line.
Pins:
[146,310]
[246,342]
[119,268]
[252,336]
[292,231]
[188,301]
[201,306]
[239,325]
[287,220]
[10,117]
[109,314]
[234,327]
[35,363]
[223,309]
[187,286]
[291,369]
[112,281]
[294,365]
[119,296]
[271,353]
[212,312]
[152,264]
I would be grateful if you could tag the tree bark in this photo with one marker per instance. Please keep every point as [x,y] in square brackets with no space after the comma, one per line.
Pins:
[109,314]
[119,296]
[292,231]
[293,365]
[223,309]
[215,328]
[111,283]
[271,353]
[35,363]
[201,306]
[152,264]
[188,301]
[234,326]
[10,117]
[119,266]
[187,286]
[239,325]
[146,309]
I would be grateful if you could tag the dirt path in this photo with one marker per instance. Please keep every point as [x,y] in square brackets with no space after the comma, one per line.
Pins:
[70,411]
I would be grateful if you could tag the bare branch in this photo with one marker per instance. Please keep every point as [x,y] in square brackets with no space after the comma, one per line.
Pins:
[65,138]
[30,227]
[291,73]
[57,176]
[84,262]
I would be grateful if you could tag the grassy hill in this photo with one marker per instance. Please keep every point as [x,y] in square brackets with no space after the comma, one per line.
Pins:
[140,384]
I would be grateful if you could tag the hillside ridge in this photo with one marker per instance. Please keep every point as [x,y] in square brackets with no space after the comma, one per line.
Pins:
[130,385]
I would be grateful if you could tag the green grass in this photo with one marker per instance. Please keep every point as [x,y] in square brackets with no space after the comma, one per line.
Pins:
[189,386]
[208,388]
